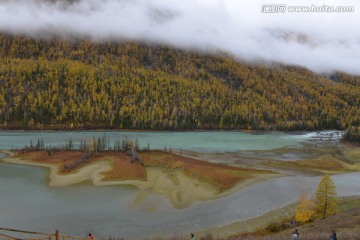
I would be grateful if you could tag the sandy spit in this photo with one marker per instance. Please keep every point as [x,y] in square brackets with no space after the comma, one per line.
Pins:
[180,189]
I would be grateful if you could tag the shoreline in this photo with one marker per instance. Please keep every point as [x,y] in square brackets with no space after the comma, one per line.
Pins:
[250,224]
[222,230]
[171,131]
[181,190]
[260,222]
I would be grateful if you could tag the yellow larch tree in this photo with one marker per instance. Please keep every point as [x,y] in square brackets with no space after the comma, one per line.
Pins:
[326,201]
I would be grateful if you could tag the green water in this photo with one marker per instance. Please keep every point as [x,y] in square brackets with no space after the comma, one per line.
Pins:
[192,141]
[26,201]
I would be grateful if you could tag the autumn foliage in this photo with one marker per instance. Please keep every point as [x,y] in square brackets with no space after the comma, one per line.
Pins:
[52,83]
[305,209]
[326,201]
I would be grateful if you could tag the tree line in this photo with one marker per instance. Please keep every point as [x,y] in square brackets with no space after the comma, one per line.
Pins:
[90,148]
[94,144]
[351,135]
[54,83]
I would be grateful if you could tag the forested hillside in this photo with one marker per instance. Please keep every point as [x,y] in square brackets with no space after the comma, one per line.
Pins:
[51,83]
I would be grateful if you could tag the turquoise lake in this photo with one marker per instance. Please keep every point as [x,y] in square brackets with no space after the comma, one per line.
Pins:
[28,203]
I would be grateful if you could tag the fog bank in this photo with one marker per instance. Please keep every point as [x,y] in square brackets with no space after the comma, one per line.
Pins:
[320,41]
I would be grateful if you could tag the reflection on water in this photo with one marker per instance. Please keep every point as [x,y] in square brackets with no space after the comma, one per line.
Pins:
[191,141]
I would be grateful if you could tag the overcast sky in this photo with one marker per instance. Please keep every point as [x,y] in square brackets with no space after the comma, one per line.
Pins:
[320,41]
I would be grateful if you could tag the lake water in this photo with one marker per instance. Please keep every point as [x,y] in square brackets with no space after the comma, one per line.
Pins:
[192,141]
[26,201]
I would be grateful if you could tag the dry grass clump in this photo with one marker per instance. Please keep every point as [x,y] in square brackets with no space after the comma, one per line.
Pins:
[123,168]
[43,156]
[220,175]
[326,163]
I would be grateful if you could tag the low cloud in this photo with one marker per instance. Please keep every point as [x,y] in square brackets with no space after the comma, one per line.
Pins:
[320,41]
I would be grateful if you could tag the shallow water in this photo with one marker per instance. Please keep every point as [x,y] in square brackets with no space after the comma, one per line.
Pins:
[26,202]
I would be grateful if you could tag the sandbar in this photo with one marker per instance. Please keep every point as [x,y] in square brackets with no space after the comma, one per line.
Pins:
[181,189]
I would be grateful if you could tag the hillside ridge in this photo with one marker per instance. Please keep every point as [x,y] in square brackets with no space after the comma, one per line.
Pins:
[57,83]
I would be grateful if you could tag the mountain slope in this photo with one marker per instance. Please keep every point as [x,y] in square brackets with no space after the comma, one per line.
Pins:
[52,83]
